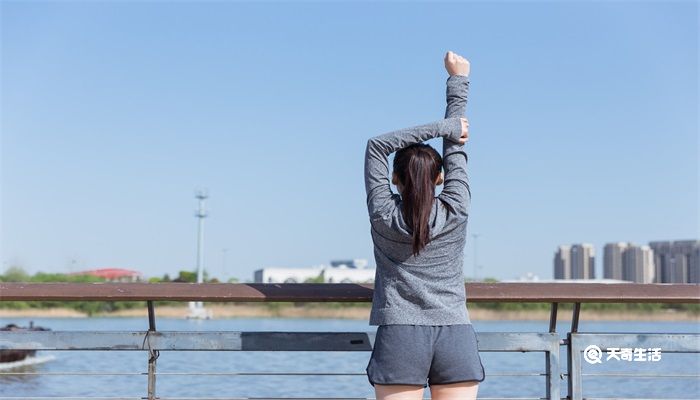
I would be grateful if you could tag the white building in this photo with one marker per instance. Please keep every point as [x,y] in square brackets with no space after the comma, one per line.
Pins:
[528,277]
[350,271]
[286,275]
[595,280]
[344,274]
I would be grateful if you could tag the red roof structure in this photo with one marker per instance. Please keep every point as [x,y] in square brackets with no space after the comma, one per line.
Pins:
[112,274]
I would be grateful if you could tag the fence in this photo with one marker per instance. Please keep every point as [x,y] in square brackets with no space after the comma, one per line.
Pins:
[153,341]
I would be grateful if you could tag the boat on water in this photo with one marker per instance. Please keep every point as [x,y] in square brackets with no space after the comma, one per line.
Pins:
[11,358]
[197,311]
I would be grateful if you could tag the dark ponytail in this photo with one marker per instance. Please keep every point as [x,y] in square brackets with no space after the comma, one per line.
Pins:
[417,167]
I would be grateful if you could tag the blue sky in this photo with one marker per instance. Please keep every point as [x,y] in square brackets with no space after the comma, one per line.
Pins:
[583,127]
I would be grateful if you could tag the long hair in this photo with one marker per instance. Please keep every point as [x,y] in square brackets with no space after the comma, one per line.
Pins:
[417,166]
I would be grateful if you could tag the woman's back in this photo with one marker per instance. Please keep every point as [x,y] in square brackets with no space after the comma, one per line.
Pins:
[425,288]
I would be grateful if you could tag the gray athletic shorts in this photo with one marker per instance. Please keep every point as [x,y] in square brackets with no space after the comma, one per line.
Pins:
[424,354]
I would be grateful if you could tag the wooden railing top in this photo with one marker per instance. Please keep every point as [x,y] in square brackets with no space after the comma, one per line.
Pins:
[573,292]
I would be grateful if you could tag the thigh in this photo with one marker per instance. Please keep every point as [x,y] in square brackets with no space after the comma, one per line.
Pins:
[454,391]
[401,355]
[398,392]
[456,356]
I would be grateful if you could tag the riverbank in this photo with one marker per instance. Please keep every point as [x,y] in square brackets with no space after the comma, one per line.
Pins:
[221,311]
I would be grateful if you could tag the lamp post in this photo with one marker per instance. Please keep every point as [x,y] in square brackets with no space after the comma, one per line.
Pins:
[476,259]
[197,308]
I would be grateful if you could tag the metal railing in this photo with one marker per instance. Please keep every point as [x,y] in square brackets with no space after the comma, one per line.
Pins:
[152,341]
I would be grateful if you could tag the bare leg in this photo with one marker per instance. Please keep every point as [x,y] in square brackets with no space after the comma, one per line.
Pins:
[398,392]
[454,391]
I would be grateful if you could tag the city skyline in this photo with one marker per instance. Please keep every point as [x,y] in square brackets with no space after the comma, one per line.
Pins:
[661,261]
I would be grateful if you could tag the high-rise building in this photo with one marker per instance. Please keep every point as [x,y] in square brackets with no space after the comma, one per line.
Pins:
[638,264]
[683,259]
[575,261]
[676,262]
[649,267]
[582,261]
[694,266]
[612,260]
[628,262]
[662,259]
[562,262]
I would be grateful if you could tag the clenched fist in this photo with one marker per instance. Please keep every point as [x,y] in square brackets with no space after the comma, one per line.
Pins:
[456,64]
[465,131]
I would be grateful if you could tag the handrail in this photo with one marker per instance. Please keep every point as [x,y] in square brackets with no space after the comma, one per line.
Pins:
[573,292]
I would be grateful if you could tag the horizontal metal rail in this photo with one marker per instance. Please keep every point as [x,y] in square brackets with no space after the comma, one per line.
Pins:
[246,341]
[310,373]
[267,341]
[348,292]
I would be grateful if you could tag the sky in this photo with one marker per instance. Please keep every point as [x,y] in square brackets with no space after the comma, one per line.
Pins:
[583,128]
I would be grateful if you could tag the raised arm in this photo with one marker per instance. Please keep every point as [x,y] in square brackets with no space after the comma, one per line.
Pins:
[457,91]
[377,183]
[456,191]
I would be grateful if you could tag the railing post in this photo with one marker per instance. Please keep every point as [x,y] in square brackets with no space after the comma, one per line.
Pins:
[552,360]
[574,317]
[553,317]
[553,390]
[152,354]
[575,391]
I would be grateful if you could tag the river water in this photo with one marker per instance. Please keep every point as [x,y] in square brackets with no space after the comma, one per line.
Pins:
[355,386]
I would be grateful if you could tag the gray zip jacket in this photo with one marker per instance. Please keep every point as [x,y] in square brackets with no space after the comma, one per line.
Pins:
[427,289]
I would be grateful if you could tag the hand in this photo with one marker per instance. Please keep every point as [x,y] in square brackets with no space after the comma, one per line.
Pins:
[465,131]
[456,64]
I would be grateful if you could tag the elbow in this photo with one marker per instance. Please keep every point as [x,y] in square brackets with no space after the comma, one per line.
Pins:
[373,148]
[370,145]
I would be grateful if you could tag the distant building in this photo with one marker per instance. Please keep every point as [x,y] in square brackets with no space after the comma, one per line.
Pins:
[562,262]
[574,262]
[662,260]
[344,273]
[528,277]
[612,260]
[638,264]
[683,268]
[357,263]
[676,261]
[597,280]
[339,271]
[582,261]
[286,275]
[626,261]
[113,274]
[694,266]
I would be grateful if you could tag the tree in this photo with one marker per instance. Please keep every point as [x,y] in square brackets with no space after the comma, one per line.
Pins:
[186,276]
[15,274]
[318,279]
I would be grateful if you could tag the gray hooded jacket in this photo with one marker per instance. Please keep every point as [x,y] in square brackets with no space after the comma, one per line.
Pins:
[427,289]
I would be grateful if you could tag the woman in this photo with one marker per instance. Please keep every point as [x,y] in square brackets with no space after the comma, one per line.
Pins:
[424,334]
